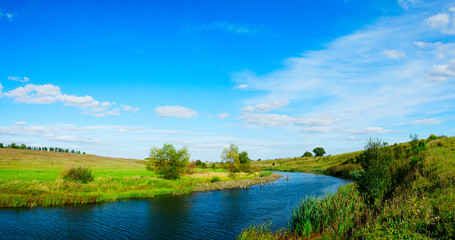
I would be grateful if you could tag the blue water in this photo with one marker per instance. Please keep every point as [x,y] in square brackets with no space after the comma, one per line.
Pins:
[206,215]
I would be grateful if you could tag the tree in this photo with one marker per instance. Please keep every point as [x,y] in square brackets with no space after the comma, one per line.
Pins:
[307,154]
[245,162]
[230,157]
[167,161]
[198,163]
[1,145]
[319,151]
[213,166]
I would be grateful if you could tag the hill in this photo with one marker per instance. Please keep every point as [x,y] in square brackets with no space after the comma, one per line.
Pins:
[403,191]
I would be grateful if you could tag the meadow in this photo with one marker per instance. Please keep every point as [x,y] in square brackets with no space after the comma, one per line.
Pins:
[34,178]
[408,194]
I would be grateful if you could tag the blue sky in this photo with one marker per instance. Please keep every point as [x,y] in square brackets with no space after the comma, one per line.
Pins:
[277,78]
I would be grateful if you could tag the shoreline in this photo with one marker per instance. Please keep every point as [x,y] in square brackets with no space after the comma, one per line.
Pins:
[13,200]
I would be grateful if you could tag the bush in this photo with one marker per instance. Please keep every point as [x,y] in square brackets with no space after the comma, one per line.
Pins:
[215,179]
[307,154]
[265,174]
[78,174]
[375,179]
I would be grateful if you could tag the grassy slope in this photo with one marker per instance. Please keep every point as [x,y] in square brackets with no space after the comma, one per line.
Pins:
[32,178]
[308,164]
[420,207]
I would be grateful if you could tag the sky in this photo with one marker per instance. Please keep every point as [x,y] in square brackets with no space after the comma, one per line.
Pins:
[276,78]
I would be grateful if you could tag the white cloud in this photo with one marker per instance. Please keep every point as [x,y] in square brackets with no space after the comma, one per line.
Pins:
[439,73]
[443,22]
[1,89]
[19,79]
[48,93]
[21,123]
[241,86]
[394,54]
[267,107]
[130,108]
[429,121]
[223,115]
[84,140]
[175,111]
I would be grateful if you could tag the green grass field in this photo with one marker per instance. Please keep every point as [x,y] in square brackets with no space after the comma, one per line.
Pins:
[33,178]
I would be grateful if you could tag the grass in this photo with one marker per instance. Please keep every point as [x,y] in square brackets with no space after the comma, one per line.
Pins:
[420,204]
[34,178]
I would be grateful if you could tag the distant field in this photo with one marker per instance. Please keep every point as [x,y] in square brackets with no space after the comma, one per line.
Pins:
[38,165]
[307,164]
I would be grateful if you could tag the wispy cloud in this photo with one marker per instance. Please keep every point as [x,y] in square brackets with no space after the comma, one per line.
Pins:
[19,79]
[352,81]
[405,3]
[237,28]
[394,54]
[223,115]
[429,121]
[241,86]
[175,111]
[48,94]
[6,15]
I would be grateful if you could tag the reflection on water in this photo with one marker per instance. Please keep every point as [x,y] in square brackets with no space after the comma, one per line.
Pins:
[205,215]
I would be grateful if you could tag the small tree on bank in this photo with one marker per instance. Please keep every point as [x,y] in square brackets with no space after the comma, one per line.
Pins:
[167,161]
[230,157]
[319,151]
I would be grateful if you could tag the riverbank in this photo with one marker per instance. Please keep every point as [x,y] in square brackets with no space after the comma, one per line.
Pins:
[409,194]
[32,178]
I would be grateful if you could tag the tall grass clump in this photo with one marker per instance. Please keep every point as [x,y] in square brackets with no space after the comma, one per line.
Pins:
[78,174]
[336,214]
[265,174]
[263,232]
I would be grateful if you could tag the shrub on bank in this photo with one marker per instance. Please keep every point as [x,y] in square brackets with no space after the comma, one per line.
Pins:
[78,174]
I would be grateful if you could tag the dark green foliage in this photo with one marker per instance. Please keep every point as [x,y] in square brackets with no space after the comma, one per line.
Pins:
[213,166]
[343,171]
[215,179]
[307,154]
[265,174]
[432,137]
[1,145]
[375,180]
[319,151]
[167,161]
[198,163]
[78,174]
[235,161]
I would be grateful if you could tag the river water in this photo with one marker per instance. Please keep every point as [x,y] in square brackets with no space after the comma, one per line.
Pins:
[204,215]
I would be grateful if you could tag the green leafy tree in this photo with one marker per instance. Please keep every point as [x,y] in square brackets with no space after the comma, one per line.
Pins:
[231,159]
[319,151]
[1,145]
[167,161]
[213,166]
[307,154]
[198,163]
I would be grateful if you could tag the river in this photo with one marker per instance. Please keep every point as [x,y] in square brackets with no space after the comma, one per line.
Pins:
[218,214]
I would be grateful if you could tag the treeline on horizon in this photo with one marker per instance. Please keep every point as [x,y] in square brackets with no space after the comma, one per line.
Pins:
[45,149]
